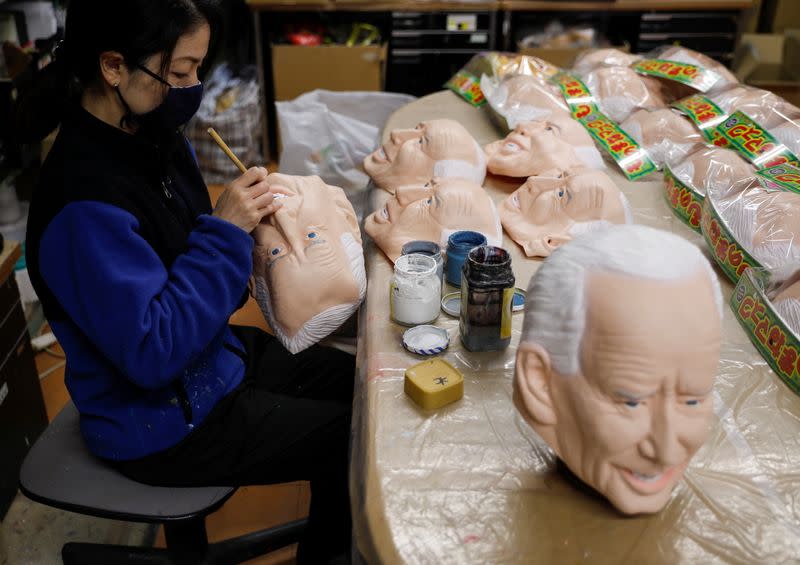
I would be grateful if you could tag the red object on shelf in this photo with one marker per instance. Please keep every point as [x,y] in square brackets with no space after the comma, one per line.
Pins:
[305,35]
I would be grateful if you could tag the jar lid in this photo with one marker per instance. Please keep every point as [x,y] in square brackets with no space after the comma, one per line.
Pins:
[426,340]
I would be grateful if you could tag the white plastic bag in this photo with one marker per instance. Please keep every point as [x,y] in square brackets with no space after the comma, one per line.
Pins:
[329,133]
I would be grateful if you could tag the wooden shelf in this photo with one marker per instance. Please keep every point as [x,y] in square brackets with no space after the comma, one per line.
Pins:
[508,5]
[625,5]
[359,6]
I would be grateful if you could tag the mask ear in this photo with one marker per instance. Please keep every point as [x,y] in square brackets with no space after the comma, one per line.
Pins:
[551,242]
[543,246]
[532,384]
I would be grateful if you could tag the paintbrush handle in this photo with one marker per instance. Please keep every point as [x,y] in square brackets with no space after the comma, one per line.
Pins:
[227,150]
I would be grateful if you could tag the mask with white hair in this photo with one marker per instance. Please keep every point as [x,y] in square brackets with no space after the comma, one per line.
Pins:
[431,212]
[535,148]
[549,210]
[308,262]
[617,360]
[442,148]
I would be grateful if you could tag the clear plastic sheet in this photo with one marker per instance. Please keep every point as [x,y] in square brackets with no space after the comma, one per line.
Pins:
[472,483]
[763,219]
[665,134]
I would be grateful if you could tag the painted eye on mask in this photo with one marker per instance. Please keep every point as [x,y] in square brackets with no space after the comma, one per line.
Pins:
[632,403]
[311,235]
[561,193]
[692,402]
[429,201]
[275,251]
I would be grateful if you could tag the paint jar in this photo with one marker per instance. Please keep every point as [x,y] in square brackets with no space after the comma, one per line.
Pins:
[428,248]
[458,245]
[487,293]
[415,290]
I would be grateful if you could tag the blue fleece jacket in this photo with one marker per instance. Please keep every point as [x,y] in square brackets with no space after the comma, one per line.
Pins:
[136,329]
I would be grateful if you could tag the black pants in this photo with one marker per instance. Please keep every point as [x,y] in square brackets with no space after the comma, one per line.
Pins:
[288,421]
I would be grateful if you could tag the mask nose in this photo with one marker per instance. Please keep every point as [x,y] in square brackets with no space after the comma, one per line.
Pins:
[399,136]
[407,194]
[662,443]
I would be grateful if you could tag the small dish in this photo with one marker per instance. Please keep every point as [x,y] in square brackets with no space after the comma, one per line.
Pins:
[451,303]
[426,340]
[518,302]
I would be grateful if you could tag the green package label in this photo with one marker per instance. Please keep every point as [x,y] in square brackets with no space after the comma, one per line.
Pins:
[576,94]
[706,115]
[684,201]
[785,176]
[731,258]
[632,159]
[468,86]
[754,142]
[778,345]
[684,73]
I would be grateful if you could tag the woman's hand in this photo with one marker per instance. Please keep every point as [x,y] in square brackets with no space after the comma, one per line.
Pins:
[247,200]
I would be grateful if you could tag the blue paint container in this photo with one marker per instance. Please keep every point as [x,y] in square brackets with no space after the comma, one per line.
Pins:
[459,244]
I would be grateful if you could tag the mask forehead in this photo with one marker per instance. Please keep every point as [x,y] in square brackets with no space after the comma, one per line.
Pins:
[639,327]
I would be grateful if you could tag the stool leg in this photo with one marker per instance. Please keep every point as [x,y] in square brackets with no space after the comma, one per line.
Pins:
[187,540]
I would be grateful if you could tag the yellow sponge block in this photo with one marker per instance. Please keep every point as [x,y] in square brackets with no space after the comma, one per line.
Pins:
[433,384]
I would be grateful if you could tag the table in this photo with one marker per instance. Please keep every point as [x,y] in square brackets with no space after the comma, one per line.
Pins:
[472,483]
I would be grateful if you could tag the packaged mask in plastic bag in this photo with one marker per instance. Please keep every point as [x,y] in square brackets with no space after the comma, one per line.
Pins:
[516,99]
[755,222]
[684,71]
[664,133]
[706,168]
[767,305]
[597,58]
[620,91]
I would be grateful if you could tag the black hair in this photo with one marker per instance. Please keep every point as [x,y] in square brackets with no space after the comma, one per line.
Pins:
[137,29]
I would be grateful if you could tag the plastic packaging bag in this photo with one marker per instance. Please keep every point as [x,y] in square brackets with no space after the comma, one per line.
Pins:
[774,114]
[608,57]
[522,98]
[665,134]
[231,106]
[683,71]
[755,222]
[620,91]
[330,133]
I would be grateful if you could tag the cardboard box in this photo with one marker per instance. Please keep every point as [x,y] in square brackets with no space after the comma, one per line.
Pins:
[770,61]
[561,57]
[298,69]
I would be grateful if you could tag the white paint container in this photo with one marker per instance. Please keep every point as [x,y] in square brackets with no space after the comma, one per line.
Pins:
[415,290]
